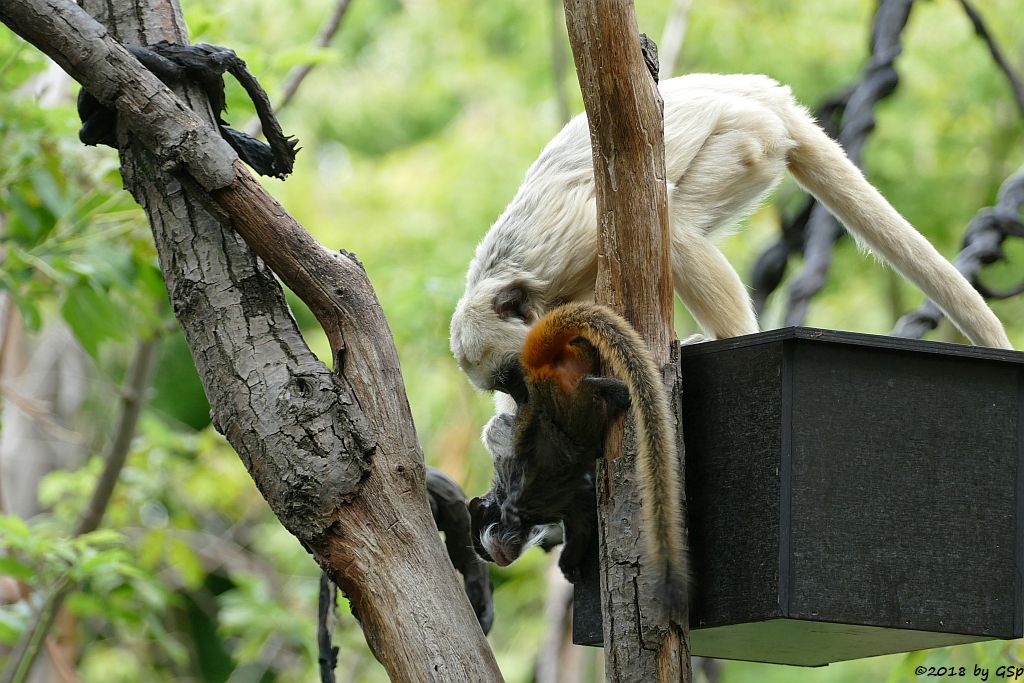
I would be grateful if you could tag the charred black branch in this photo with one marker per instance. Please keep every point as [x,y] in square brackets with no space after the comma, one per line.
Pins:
[997,54]
[879,81]
[204,65]
[327,655]
[982,246]
[448,506]
[650,51]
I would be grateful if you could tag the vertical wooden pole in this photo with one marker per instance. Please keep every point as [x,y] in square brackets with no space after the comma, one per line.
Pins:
[634,277]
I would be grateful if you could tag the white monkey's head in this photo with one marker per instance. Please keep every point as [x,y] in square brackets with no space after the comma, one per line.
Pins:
[489,327]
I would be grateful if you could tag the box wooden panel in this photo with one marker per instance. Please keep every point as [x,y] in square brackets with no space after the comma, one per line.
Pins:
[849,495]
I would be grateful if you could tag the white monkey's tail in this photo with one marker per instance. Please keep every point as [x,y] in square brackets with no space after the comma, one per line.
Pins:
[819,164]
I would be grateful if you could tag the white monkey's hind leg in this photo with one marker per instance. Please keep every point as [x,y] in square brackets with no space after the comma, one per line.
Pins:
[711,289]
[729,176]
[735,169]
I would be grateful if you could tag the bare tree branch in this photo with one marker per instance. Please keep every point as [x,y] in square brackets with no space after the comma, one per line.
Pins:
[328,652]
[334,455]
[323,39]
[879,81]
[298,74]
[673,36]
[132,401]
[997,54]
[624,112]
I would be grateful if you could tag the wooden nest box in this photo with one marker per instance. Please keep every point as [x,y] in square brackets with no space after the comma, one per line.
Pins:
[848,495]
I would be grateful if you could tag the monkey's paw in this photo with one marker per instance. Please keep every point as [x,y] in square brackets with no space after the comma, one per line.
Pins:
[694,339]
[497,436]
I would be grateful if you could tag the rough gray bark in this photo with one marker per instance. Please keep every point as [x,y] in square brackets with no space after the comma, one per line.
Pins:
[334,453]
[624,108]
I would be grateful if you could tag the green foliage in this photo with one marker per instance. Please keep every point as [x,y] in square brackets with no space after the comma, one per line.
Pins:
[74,240]
[177,391]
[416,128]
[98,568]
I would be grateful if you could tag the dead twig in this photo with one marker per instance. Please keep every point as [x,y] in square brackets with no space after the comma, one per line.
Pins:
[298,74]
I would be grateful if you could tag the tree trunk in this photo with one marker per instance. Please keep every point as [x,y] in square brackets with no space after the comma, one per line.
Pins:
[624,109]
[334,453]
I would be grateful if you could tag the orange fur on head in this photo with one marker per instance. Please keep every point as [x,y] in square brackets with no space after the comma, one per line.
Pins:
[549,354]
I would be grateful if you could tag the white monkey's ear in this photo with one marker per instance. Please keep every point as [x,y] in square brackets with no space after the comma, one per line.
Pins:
[512,302]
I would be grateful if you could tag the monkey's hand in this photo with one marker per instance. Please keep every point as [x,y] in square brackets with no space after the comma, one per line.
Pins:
[497,437]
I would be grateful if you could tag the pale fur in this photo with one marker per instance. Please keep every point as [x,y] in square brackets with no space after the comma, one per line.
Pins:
[494,543]
[728,141]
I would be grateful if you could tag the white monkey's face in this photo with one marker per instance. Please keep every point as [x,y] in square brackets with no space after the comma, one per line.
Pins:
[488,330]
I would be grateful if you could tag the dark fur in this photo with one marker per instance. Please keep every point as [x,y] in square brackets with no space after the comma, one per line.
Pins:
[549,475]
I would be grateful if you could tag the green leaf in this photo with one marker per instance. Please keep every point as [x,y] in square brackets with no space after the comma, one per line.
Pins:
[12,567]
[183,558]
[101,537]
[93,318]
[151,549]
[13,531]
[30,314]
[31,220]
[49,193]
[11,625]
[177,389]
[102,564]
[86,604]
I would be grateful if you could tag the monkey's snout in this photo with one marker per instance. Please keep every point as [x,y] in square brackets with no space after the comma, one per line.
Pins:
[505,555]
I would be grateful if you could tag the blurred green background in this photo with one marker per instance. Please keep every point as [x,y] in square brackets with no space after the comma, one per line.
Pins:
[416,127]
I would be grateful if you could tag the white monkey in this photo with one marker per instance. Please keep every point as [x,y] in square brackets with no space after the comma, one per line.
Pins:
[728,140]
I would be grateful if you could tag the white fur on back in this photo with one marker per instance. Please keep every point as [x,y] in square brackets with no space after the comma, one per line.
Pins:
[728,141]
[546,237]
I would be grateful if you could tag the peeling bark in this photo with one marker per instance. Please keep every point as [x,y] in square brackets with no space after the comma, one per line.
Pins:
[334,453]
[641,640]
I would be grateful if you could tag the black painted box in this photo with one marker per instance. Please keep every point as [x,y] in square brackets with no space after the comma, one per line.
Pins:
[849,495]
